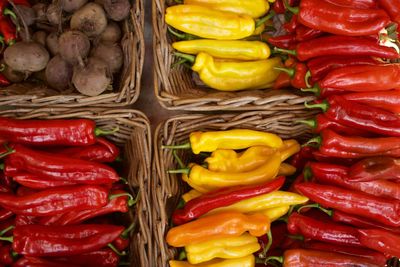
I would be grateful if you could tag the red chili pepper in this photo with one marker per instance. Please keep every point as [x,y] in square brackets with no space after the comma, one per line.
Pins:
[76,132]
[5,214]
[321,66]
[322,122]
[300,159]
[339,19]
[22,2]
[303,33]
[375,169]
[299,179]
[118,203]
[291,26]
[287,41]
[35,182]
[59,167]
[40,262]
[341,46]
[373,256]
[322,231]
[387,100]
[381,240]
[3,82]
[298,75]
[386,211]
[334,160]
[363,117]
[355,3]
[278,7]
[5,255]
[283,81]
[308,257]
[8,30]
[62,240]
[222,197]
[337,175]
[55,201]
[26,220]
[102,151]
[278,233]
[392,7]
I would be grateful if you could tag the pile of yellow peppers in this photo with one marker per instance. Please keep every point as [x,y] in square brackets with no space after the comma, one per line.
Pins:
[226,59]
[227,235]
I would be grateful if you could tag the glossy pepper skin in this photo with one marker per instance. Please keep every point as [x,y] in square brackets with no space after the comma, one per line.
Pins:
[240,50]
[74,239]
[287,41]
[221,198]
[322,231]
[210,24]
[360,116]
[58,167]
[375,169]
[342,46]
[192,194]
[329,17]
[338,175]
[275,213]
[297,74]
[387,100]
[314,258]
[252,8]
[248,261]
[231,139]
[236,75]
[264,202]
[224,248]
[303,33]
[78,132]
[36,182]
[392,7]
[225,224]
[3,80]
[381,240]
[385,211]
[56,201]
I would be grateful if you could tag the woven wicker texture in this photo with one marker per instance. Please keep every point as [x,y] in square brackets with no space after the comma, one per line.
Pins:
[177,88]
[135,141]
[168,188]
[128,81]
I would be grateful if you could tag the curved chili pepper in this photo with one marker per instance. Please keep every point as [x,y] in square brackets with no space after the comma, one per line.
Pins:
[341,46]
[278,7]
[363,117]
[287,41]
[5,214]
[381,240]
[321,66]
[35,182]
[74,239]
[322,231]
[375,169]
[59,167]
[303,33]
[387,100]
[318,156]
[382,210]
[322,122]
[8,30]
[3,80]
[355,3]
[392,7]
[376,257]
[50,132]
[40,262]
[300,159]
[283,81]
[6,255]
[338,19]
[221,198]
[291,26]
[55,201]
[331,174]
[298,75]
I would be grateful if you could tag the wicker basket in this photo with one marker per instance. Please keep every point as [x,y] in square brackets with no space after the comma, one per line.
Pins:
[40,95]
[168,188]
[134,137]
[177,89]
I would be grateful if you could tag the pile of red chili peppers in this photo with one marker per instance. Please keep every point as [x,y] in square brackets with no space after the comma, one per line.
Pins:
[346,52]
[59,195]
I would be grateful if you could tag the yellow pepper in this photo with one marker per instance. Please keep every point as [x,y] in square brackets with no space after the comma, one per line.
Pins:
[275,213]
[194,184]
[236,75]
[224,248]
[217,226]
[240,50]
[208,23]
[192,194]
[252,8]
[286,170]
[206,179]
[263,202]
[248,261]
[290,147]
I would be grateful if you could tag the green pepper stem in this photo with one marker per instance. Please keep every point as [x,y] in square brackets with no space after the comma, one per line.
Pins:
[183,171]
[315,140]
[323,105]
[125,233]
[182,146]
[294,10]
[261,21]
[291,72]
[14,254]
[189,58]
[99,132]
[9,238]
[182,255]
[392,28]
[285,51]
[10,13]
[181,204]
[6,230]
[1,166]
[178,159]
[314,90]
[307,173]
[5,154]
[132,201]
[318,206]
[118,159]
[307,78]
[2,66]
[296,237]
[263,254]
[119,253]
[183,36]
[312,123]
[274,258]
